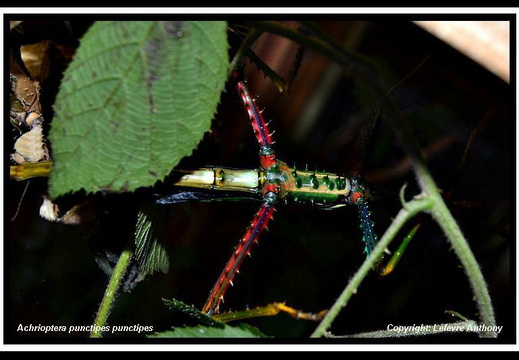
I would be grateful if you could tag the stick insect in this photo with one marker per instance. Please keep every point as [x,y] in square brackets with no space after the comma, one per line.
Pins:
[275,182]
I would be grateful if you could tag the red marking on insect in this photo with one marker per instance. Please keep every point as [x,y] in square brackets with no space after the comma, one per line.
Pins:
[258,224]
[267,161]
[269,187]
[356,196]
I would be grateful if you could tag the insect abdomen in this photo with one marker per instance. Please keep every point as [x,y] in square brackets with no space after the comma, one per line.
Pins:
[318,187]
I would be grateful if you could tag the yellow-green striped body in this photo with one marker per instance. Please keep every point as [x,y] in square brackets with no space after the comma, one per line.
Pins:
[320,188]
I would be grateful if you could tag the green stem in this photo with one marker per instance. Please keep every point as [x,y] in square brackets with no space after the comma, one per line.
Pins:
[444,218]
[411,209]
[111,292]
[439,211]
[244,48]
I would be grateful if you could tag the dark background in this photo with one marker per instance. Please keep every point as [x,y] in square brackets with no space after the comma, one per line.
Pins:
[307,256]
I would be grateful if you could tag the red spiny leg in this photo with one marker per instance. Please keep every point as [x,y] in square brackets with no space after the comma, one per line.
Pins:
[258,224]
[259,125]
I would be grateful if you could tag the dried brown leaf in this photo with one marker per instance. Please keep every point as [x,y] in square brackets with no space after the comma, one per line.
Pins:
[31,147]
[25,92]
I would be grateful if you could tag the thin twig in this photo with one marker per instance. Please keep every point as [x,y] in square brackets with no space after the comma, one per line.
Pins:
[20,202]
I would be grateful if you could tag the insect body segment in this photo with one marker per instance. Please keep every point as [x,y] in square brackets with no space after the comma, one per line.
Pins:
[222,179]
[319,188]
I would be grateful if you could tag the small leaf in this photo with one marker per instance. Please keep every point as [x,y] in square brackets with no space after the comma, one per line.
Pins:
[150,251]
[137,97]
[192,312]
[240,331]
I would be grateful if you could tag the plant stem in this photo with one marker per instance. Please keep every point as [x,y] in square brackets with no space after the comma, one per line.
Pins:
[460,246]
[111,292]
[244,48]
[411,209]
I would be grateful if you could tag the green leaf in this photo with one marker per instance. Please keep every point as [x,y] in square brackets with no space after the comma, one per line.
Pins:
[137,97]
[240,331]
[192,312]
[150,251]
